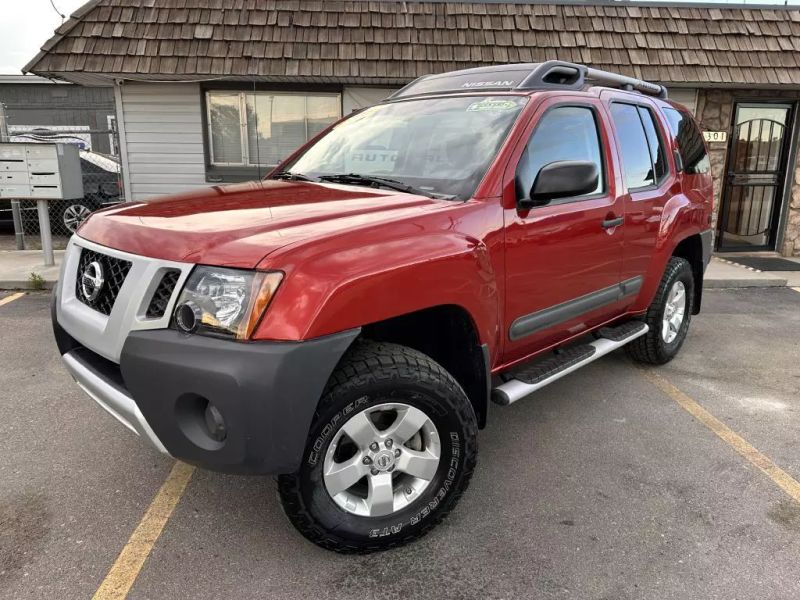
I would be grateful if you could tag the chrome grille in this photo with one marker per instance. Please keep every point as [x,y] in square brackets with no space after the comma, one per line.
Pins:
[160,300]
[114,272]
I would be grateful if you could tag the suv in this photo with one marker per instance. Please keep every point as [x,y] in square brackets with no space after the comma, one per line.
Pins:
[344,323]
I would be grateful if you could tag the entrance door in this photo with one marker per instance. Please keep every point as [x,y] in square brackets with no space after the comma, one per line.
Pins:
[754,182]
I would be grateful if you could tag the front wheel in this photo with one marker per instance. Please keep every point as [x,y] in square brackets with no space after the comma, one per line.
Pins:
[73,214]
[668,316]
[392,447]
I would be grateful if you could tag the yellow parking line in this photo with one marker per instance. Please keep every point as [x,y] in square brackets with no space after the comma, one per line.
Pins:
[797,289]
[129,563]
[780,477]
[11,298]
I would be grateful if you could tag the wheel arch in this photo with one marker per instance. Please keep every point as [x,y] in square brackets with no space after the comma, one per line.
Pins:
[447,334]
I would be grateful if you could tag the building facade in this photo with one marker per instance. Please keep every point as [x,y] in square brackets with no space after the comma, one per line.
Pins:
[211,92]
[35,105]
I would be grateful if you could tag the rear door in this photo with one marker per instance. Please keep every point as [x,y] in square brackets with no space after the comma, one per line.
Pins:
[647,181]
[563,260]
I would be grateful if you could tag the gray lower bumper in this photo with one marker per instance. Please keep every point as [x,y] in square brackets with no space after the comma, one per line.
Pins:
[266,392]
[114,400]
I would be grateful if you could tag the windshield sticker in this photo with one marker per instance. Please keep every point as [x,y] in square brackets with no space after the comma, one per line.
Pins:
[491,104]
[370,161]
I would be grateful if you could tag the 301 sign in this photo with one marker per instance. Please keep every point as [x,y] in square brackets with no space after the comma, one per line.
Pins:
[715,136]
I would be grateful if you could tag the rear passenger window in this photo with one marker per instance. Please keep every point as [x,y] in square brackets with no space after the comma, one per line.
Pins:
[690,142]
[563,133]
[637,164]
[657,155]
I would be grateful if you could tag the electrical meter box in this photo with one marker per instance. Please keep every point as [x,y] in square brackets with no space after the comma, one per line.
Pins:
[40,171]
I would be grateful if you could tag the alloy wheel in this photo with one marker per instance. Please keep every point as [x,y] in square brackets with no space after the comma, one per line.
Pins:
[674,312]
[382,459]
[74,215]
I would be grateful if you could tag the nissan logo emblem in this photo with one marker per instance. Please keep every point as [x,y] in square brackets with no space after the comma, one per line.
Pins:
[92,281]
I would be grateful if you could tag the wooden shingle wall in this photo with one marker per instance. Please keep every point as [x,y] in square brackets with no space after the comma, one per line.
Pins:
[394,42]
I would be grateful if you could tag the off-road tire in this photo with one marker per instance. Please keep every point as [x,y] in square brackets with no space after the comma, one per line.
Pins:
[651,348]
[372,373]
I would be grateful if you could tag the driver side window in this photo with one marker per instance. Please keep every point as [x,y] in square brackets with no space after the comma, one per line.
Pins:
[563,133]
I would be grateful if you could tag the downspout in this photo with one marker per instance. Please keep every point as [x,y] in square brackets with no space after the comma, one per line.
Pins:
[123,140]
[3,123]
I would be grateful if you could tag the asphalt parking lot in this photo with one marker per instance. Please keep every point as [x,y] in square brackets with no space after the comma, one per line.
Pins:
[604,485]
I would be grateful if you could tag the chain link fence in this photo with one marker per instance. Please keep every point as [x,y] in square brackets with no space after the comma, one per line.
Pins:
[102,187]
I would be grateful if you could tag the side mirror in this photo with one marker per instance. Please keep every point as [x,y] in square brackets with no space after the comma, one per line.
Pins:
[562,179]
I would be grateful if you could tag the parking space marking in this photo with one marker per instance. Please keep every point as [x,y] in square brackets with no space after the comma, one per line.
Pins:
[797,289]
[780,477]
[126,568]
[11,298]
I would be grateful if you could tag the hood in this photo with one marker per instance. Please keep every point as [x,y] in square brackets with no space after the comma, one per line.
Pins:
[238,225]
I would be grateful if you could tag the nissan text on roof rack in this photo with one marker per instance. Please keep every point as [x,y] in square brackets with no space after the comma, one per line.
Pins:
[344,323]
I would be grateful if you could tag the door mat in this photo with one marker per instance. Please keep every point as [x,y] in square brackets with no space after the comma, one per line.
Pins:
[765,263]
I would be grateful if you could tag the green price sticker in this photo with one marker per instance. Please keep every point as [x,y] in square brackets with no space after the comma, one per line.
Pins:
[491,104]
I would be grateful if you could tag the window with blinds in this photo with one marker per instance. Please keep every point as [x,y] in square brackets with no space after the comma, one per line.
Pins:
[263,128]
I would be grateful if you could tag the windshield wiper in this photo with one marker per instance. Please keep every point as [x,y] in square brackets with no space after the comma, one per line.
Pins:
[290,176]
[375,181]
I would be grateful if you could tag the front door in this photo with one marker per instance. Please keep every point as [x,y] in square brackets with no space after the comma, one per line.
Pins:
[754,182]
[563,259]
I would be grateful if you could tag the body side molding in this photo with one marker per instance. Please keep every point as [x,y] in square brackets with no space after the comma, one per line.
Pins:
[533,322]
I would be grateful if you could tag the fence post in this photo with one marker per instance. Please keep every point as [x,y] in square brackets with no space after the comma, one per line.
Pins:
[3,123]
[19,231]
[44,230]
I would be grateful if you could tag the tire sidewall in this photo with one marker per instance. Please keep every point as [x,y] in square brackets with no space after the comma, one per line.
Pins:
[457,448]
[682,272]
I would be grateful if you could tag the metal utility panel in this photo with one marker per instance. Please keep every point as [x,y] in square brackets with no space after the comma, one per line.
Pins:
[40,171]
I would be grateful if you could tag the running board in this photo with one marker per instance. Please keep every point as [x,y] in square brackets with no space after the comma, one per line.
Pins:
[533,378]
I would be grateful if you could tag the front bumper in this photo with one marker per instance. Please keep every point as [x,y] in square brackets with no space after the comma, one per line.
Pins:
[266,392]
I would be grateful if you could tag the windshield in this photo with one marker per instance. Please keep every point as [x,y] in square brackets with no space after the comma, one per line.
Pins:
[441,146]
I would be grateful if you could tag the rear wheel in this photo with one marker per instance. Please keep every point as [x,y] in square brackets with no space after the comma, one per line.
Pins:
[668,316]
[392,447]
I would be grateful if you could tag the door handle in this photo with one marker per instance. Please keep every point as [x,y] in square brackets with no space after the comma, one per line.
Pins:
[609,223]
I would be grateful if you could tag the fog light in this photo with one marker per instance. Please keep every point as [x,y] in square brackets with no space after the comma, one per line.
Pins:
[187,317]
[215,423]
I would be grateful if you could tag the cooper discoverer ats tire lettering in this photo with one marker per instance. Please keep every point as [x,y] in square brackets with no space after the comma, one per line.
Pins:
[391,449]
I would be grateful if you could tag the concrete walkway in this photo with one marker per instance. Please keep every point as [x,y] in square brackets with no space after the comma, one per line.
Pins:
[17,267]
[18,270]
[722,273]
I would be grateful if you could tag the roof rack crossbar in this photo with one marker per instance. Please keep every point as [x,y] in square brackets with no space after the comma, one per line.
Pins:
[557,74]
[616,80]
[554,74]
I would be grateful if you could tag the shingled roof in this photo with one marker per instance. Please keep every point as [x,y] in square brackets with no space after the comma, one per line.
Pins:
[385,42]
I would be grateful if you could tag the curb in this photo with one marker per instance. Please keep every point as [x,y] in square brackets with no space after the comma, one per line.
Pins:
[12,284]
[721,284]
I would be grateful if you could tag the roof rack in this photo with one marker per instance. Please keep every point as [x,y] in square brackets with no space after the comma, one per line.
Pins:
[549,75]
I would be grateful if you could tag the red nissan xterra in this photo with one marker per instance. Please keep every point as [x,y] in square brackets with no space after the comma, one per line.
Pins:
[344,323]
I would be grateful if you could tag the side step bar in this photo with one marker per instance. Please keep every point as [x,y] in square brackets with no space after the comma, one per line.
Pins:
[528,380]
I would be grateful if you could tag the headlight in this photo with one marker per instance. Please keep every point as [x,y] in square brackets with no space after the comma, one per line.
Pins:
[224,302]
